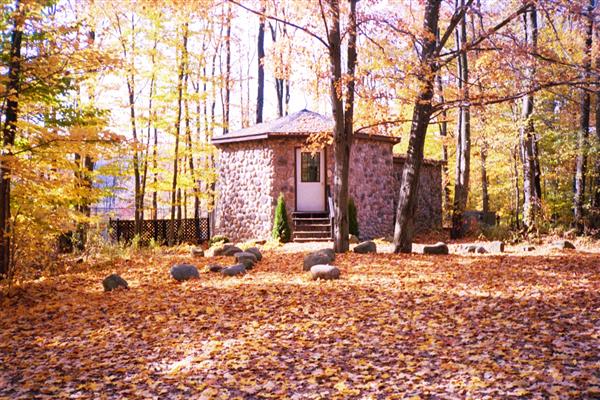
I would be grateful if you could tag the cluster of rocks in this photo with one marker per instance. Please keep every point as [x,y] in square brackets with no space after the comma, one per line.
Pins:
[245,260]
[482,248]
[319,265]
[562,245]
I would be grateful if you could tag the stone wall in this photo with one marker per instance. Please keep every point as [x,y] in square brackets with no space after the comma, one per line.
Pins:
[244,205]
[429,202]
[371,184]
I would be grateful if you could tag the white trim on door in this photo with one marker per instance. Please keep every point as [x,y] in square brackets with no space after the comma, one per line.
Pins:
[310,181]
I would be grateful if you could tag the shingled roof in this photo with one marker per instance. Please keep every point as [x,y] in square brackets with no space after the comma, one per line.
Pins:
[301,123]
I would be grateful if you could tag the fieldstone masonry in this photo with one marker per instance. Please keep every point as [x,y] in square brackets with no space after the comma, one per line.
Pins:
[244,190]
[429,204]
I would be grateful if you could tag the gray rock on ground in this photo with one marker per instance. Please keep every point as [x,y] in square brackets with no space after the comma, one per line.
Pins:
[246,258]
[222,250]
[467,248]
[214,268]
[327,272]
[328,252]
[113,282]
[256,252]
[230,250]
[197,252]
[496,246]
[324,256]
[482,248]
[234,270]
[438,248]
[563,244]
[366,247]
[183,272]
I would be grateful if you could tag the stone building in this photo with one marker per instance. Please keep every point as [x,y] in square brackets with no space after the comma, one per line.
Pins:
[258,163]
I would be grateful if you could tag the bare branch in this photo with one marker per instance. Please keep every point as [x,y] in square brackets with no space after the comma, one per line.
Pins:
[271,17]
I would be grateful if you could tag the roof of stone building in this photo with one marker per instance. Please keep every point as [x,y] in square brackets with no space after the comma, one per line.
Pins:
[301,123]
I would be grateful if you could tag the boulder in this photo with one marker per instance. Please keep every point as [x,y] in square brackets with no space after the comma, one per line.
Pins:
[214,268]
[353,239]
[197,252]
[438,248]
[183,272]
[318,257]
[235,270]
[222,250]
[256,252]
[496,246]
[246,258]
[327,272]
[563,244]
[467,248]
[113,282]
[328,252]
[230,250]
[481,250]
[366,247]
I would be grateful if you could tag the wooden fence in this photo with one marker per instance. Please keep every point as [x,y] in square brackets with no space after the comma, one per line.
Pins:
[189,230]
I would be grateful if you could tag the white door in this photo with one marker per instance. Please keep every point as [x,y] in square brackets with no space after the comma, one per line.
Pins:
[310,181]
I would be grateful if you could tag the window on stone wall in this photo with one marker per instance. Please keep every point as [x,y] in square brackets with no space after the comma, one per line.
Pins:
[310,167]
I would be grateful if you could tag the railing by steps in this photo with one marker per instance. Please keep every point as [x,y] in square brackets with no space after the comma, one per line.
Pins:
[331,211]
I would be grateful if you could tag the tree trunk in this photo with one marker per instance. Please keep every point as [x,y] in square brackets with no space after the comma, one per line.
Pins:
[155,178]
[138,207]
[403,232]
[86,166]
[260,96]
[529,154]
[443,125]
[463,134]
[226,106]
[596,192]
[485,197]
[11,115]
[151,121]
[343,118]
[516,195]
[584,127]
[174,190]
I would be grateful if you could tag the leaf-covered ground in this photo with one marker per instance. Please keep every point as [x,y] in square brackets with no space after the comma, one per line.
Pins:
[394,326]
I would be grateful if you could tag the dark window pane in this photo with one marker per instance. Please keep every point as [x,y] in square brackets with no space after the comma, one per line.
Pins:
[310,167]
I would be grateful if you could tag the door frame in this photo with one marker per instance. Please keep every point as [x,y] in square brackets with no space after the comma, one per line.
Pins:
[296,178]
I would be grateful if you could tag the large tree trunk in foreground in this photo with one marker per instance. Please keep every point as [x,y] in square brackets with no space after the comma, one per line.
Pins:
[8,139]
[403,232]
[584,127]
[463,134]
[527,137]
[343,117]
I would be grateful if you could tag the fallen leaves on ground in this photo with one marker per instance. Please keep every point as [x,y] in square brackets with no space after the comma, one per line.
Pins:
[394,326]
